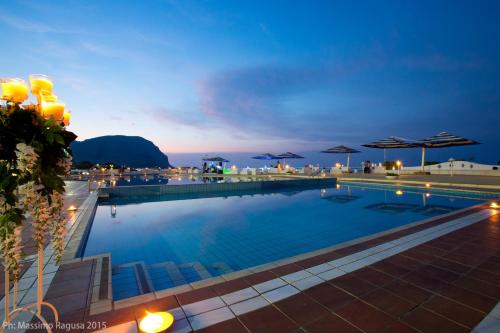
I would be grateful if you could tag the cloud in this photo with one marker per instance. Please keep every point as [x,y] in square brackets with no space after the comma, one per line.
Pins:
[25,25]
[34,25]
[263,100]
[100,50]
[186,118]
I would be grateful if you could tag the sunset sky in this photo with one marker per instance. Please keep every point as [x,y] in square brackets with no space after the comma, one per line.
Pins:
[236,76]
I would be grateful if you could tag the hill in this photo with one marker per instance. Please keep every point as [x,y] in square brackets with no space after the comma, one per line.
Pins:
[132,151]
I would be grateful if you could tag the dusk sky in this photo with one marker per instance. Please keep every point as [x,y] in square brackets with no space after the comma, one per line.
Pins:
[250,76]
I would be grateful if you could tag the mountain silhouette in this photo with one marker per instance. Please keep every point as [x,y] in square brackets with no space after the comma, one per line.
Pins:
[131,151]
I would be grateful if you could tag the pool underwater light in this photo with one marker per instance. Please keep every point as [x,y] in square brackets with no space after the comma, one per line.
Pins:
[399,192]
[156,322]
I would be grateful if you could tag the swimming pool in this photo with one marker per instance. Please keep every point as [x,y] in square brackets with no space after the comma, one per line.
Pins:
[181,241]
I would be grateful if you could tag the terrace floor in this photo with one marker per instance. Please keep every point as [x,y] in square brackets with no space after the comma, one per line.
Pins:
[76,194]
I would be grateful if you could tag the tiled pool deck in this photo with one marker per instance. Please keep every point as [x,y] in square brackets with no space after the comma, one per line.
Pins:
[440,276]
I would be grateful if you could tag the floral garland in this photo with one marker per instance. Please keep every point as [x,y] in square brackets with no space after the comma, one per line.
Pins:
[11,247]
[34,155]
[58,226]
[11,243]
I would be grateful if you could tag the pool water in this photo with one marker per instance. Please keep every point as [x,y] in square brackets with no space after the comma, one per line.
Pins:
[181,241]
[163,180]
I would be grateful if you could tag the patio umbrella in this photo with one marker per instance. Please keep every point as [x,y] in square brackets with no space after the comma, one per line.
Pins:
[342,150]
[266,157]
[215,159]
[442,140]
[391,143]
[288,155]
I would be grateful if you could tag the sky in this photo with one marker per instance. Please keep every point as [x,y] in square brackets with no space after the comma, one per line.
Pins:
[258,76]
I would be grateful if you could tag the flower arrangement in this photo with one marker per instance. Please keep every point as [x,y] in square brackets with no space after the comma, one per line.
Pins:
[34,156]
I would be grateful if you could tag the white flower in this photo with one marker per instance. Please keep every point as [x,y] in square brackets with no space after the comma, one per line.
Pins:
[11,247]
[26,157]
[66,164]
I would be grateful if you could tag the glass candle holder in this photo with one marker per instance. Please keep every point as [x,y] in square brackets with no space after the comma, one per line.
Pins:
[53,110]
[66,118]
[14,90]
[40,83]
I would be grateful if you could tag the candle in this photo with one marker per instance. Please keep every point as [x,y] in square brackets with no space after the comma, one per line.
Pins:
[40,83]
[45,96]
[66,118]
[14,90]
[53,109]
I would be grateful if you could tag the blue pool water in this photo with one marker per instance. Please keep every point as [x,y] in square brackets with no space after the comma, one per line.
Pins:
[163,180]
[181,241]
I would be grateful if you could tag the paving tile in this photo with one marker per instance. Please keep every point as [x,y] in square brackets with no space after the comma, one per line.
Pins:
[365,317]
[488,325]
[196,295]
[301,309]
[329,296]
[209,318]
[450,265]
[483,288]
[464,259]
[260,277]
[495,312]
[268,319]
[181,326]
[388,302]
[438,273]
[276,295]
[229,326]
[331,274]
[426,282]
[389,268]
[408,291]
[286,269]
[290,278]
[163,304]
[115,317]
[319,268]
[230,286]
[269,285]
[353,266]
[429,322]
[353,285]
[69,303]
[485,276]
[203,306]
[373,276]
[480,302]
[399,327]
[454,311]
[307,283]
[405,262]
[249,305]
[330,323]
[239,296]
